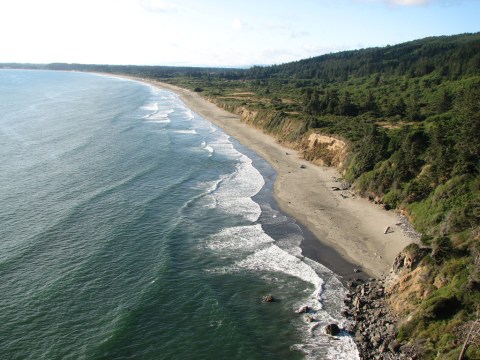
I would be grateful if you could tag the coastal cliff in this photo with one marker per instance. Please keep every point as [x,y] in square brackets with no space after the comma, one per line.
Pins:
[424,288]
[402,124]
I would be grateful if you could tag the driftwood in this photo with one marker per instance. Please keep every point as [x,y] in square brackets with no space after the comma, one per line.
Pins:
[387,229]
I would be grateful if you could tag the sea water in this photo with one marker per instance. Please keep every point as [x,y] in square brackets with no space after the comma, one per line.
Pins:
[131,227]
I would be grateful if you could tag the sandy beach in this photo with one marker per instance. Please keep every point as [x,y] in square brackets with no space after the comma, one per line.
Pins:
[350,229]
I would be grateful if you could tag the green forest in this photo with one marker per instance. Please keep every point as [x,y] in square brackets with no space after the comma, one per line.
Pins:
[410,114]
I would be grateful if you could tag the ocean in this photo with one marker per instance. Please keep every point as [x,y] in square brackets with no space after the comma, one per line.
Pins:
[132,228]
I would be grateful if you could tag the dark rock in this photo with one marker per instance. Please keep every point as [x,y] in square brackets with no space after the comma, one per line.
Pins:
[309,319]
[382,348]
[391,330]
[359,337]
[303,167]
[268,298]
[374,325]
[357,303]
[332,329]
[303,309]
[393,346]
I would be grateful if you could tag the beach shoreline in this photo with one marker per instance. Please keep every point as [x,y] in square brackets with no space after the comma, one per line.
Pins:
[344,233]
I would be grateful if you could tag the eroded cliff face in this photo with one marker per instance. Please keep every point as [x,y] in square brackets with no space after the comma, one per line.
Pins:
[246,115]
[325,150]
[320,149]
[407,283]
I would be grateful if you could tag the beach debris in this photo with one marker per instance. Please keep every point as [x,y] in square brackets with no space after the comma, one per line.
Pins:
[332,329]
[356,270]
[303,166]
[304,309]
[268,298]
[336,188]
[387,229]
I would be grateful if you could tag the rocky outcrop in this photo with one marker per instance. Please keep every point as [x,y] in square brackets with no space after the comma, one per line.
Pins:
[375,329]
[376,307]
[406,269]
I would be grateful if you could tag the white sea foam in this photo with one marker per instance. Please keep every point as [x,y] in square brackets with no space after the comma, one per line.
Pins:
[189,131]
[150,107]
[223,146]
[239,238]
[251,249]
[209,149]
[257,252]
[160,121]
[234,194]
[189,114]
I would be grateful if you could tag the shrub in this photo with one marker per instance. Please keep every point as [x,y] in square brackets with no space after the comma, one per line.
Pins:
[442,308]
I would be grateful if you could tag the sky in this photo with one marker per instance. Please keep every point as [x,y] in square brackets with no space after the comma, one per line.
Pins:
[222,33]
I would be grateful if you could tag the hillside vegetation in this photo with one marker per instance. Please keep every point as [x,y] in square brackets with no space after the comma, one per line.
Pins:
[410,114]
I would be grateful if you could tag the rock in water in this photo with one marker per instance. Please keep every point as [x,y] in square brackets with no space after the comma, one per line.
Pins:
[268,298]
[303,309]
[309,319]
[332,329]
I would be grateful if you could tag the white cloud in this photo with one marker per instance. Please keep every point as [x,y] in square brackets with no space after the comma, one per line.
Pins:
[237,24]
[158,6]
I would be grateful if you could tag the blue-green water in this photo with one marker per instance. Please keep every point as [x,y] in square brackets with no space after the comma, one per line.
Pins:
[130,227]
